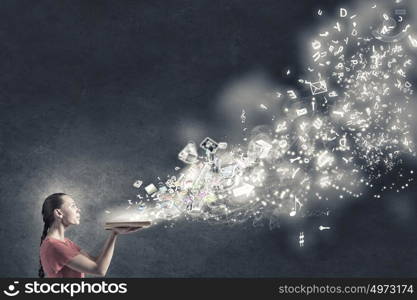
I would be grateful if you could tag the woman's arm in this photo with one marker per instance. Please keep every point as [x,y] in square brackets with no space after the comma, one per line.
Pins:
[85,253]
[84,264]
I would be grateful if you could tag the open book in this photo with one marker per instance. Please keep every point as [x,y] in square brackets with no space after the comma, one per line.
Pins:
[110,225]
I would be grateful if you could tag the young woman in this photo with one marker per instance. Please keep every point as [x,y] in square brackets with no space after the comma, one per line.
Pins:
[61,257]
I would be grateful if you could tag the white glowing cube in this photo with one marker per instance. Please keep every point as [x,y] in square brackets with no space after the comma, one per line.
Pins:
[150,189]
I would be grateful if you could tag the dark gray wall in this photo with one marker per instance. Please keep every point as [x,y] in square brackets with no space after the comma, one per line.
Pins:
[96,94]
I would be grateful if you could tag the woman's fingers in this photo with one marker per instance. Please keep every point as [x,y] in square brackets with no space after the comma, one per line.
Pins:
[125,230]
[120,229]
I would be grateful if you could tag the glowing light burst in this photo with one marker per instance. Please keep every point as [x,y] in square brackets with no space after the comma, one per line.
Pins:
[344,127]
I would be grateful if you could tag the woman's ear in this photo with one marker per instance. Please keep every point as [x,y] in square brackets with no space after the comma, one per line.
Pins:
[58,213]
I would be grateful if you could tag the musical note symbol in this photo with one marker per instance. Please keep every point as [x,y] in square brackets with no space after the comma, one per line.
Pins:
[301,239]
[294,210]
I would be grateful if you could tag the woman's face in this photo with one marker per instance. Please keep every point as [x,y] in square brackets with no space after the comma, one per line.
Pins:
[70,211]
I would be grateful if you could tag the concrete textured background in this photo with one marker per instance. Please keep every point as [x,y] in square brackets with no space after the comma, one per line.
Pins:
[97,94]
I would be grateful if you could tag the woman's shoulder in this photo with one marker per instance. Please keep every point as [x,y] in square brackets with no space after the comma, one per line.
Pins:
[52,243]
[46,245]
[54,247]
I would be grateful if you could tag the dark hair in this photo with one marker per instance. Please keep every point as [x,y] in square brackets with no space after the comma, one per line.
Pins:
[51,203]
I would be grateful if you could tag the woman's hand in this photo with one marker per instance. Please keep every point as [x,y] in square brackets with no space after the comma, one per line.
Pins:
[125,230]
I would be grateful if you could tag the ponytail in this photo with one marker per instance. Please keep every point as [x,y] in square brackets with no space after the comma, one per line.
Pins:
[41,273]
[51,203]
